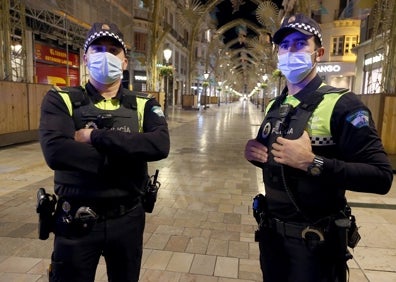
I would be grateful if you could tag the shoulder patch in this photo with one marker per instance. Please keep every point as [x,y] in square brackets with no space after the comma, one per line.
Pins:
[359,119]
[158,111]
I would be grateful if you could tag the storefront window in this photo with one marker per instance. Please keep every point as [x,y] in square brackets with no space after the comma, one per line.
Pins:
[139,81]
[372,81]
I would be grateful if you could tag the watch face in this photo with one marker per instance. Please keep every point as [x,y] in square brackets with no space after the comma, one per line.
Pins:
[316,166]
[315,170]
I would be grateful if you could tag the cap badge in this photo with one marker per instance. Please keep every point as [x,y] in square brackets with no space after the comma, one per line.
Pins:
[105,27]
[291,19]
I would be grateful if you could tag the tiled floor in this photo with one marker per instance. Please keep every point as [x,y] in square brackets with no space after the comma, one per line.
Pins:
[201,228]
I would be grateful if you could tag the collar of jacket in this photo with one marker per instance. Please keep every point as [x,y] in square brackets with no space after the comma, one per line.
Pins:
[311,87]
[95,95]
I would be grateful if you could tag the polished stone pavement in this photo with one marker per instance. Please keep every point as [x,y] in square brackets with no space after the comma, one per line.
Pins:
[202,226]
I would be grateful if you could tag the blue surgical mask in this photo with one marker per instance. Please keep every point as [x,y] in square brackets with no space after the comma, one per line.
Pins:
[104,67]
[295,66]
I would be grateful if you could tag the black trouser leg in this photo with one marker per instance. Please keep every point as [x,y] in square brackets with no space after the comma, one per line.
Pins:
[124,246]
[75,259]
[285,259]
[119,240]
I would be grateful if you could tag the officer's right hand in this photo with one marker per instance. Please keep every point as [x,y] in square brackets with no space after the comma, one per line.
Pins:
[255,151]
[83,135]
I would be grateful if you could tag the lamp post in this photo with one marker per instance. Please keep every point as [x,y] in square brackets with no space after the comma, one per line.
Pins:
[167,56]
[218,99]
[265,79]
[258,93]
[206,76]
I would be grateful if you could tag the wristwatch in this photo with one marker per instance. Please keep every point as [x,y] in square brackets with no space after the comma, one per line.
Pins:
[316,167]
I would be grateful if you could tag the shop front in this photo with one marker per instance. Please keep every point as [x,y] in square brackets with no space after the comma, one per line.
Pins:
[372,72]
[56,66]
[338,74]
[139,80]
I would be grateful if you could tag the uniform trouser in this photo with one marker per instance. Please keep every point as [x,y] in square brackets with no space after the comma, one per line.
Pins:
[287,259]
[119,240]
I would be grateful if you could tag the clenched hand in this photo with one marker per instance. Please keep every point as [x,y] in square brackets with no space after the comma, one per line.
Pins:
[255,151]
[295,153]
[83,135]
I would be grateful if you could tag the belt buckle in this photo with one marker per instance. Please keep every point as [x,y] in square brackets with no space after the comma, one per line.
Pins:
[85,213]
[309,230]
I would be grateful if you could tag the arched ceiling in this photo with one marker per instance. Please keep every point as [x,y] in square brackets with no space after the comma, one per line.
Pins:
[245,28]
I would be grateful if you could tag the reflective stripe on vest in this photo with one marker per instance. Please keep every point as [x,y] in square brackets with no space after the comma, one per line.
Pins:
[318,126]
[107,105]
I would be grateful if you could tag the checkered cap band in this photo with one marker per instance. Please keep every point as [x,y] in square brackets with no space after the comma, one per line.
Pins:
[300,23]
[308,28]
[112,32]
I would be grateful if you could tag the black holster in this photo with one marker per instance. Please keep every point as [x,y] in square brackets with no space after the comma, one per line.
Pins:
[150,193]
[348,236]
[45,208]
[260,213]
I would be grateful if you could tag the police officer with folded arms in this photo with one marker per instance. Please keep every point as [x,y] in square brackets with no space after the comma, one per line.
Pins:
[98,140]
[315,142]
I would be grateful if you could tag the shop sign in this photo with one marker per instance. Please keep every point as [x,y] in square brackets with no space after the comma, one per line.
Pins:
[49,54]
[140,77]
[328,68]
[56,66]
[374,59]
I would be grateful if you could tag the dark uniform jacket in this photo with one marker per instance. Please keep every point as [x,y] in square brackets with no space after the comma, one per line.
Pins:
[115,163]
[343,133]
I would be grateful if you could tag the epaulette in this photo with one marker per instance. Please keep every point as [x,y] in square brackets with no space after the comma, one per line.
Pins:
[331,89]
[78,96]
[128,99]
[56,88]
[142,95]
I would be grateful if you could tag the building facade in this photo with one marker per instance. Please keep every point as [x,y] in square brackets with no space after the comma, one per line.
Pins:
[338,66]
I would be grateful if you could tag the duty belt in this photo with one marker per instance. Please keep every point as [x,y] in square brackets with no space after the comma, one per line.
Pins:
[295,230]
[102,209]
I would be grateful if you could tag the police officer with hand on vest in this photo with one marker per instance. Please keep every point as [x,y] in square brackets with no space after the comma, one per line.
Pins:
[315,142]
[98,140]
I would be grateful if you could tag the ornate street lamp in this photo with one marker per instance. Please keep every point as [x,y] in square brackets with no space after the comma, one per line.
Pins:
[206,76]
[167,56]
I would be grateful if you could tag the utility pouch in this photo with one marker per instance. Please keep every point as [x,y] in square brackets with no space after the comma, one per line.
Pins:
[257,235]
[150,193]
[259,207]
[45,208]
[353,233]
[348,223]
